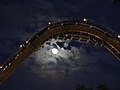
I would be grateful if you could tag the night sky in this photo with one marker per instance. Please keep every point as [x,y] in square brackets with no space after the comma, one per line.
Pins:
[76,63]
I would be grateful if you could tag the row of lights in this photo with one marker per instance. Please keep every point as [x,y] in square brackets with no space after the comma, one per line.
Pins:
[22,45]
[15,57]
[4,67]
[85,20]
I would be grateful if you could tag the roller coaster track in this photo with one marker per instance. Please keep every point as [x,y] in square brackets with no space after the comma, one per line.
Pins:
[86,30]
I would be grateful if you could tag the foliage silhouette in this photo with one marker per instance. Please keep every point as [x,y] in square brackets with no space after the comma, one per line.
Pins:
[98,87]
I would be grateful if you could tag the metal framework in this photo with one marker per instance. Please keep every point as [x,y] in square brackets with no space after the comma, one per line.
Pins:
[86,30]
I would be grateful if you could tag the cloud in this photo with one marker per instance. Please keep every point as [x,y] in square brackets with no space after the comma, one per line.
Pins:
[66,62]
[74,63]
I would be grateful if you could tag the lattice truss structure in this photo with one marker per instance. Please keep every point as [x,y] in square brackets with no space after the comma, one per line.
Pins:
[81,30]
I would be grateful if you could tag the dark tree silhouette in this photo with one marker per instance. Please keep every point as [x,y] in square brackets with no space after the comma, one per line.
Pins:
[82,87]
[102,87]
[116,1]
[99,87]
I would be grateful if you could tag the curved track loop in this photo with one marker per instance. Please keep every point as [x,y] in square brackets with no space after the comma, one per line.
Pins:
[73,30]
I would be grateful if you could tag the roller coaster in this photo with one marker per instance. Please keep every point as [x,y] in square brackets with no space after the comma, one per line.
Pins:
[85,30]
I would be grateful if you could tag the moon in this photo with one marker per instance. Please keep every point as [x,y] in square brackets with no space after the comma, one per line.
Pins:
[54,51]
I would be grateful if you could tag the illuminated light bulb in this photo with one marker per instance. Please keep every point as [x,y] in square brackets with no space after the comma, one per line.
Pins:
[21,46]
[49,23]
[54,51]
[0,66]
[26,41]
[85,20]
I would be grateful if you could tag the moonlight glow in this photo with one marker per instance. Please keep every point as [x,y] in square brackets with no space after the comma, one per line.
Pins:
[54,51]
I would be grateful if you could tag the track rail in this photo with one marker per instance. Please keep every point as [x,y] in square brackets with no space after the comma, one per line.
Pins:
[74,30]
